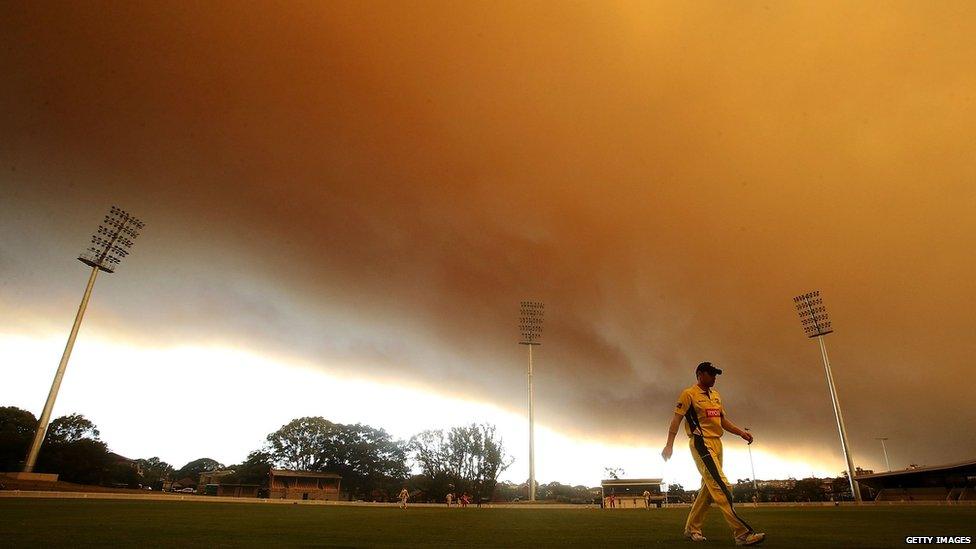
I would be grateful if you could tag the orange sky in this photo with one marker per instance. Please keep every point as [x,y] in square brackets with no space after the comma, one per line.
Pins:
[381,184]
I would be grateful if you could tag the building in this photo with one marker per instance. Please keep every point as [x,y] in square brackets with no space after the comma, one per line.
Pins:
[953,482]
[285,484]
[235,490]
[209,480]
[117,459]
[214,483]
[179,484]
[629,493]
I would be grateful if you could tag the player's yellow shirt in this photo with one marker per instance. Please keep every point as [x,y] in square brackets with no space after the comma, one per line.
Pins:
[702,411]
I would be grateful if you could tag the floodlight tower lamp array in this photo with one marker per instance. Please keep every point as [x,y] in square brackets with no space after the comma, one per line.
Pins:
[813,314]
[112,241]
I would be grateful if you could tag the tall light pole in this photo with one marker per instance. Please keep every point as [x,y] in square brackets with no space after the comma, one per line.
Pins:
[110,244]
[530,328]
[755,485]
[885,450]
[816,323]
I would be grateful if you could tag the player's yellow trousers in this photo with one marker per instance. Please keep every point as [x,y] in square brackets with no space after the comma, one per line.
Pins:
[707,452]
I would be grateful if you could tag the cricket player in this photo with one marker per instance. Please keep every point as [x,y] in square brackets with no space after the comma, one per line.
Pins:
[404,494]
[701,407]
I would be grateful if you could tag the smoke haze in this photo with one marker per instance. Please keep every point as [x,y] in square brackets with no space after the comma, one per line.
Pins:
[374,186]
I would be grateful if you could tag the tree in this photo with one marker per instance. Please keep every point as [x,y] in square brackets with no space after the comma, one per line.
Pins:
[297,444]
[368,459]
[564,493]
[73,451]
[16,431]
[371,462]
[486,459]
[154,471]
[67,429]
[808,489]
[123,473]
[614,472]
[84,461]
[676,492]
[506,491]
[465,459]
[841,488]
[197,466]
[431,453]
[253,470]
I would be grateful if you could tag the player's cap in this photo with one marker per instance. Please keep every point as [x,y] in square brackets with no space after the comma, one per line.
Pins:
[707,367]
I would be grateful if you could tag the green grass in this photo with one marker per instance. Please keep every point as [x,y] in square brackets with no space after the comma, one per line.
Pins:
[45,523]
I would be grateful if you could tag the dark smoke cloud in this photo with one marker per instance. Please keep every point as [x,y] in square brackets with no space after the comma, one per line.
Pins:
[381,184]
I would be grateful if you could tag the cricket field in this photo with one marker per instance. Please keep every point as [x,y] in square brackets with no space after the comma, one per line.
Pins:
[72,522]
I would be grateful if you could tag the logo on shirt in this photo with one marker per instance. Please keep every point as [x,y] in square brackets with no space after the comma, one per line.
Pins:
[713,412]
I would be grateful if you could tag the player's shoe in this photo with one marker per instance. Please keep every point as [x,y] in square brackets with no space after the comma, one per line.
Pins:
[695,536]
[754,538]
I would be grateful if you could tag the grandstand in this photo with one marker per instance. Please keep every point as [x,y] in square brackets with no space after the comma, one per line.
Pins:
[954,482]
[304,485]
[629,493]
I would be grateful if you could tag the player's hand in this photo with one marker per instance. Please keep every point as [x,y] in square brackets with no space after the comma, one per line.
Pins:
[746,436]
[666,453]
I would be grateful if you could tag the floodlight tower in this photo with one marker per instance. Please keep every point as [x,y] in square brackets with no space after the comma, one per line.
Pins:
[110,244]
[816,323]
[885,450]
[530,327]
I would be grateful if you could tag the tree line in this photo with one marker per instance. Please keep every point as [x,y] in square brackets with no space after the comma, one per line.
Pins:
[72,448]
[373,464]
[803,490]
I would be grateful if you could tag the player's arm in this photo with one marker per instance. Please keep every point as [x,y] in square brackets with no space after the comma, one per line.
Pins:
[734,429]
[672,432]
